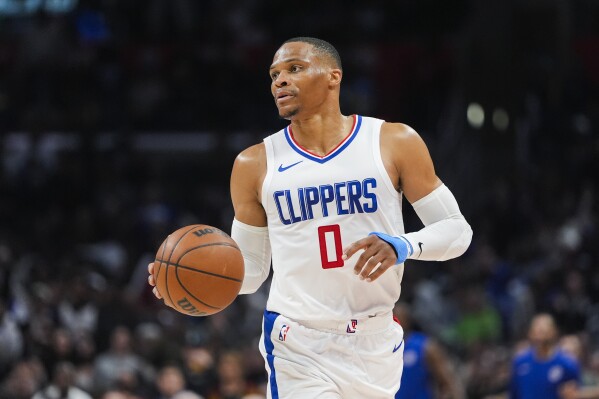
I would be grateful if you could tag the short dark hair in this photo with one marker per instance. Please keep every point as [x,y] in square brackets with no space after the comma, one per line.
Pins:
[320,45]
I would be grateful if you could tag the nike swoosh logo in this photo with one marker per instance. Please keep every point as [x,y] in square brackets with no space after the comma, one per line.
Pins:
[420,246]
[395,348]
[284,168]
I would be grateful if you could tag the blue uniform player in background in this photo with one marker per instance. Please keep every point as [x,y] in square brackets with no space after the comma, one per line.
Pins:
[543,371]
[426,372]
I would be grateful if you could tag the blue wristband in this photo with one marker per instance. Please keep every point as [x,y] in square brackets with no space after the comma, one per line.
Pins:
[400,245]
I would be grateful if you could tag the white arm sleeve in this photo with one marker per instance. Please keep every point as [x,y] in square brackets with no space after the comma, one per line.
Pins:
[446,234]
[255,248]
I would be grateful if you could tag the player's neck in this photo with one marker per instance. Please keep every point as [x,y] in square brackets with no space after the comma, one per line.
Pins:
[545,352]
[320,133]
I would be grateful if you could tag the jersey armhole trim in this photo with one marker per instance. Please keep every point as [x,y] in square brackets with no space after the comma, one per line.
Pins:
[270,157]
[378,159]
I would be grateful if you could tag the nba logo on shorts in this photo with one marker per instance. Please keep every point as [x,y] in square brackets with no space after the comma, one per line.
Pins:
[283,332]
[351,327]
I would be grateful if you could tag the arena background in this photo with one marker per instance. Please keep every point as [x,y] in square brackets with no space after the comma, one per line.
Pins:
[120,120]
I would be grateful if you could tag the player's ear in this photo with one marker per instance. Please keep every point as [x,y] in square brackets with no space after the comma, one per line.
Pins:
[335,76]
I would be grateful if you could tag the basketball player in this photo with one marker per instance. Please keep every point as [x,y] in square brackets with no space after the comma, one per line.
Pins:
[322,197]
[543,370]
[426,369]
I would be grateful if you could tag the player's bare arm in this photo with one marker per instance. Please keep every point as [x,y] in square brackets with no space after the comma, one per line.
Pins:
[249,226]
[408,161]
[247,176]
[568,390]
[449,385]
[246,179]
[410,167]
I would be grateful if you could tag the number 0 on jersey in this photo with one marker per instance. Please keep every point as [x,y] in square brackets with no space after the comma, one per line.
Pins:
[330,236]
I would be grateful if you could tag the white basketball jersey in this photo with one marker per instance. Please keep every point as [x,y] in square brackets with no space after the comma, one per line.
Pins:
[318,205]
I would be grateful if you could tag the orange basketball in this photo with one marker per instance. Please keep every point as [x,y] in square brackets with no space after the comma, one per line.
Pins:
[198,270]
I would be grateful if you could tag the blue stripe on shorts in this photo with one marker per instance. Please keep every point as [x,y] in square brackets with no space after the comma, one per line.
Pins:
[269,321]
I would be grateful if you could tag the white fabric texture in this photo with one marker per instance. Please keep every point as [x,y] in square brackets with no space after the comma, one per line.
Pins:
[308,363]
[446,234]
[318,205]
[255,247]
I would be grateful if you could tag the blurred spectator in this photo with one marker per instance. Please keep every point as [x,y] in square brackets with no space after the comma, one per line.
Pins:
[486,371]
[232,383]
[478,322]
[152,344]
[571,305]
[118,394]
[61,386]
[11,339]
[77,312]
[60,349]
[542,370]
[120,366]
[198,366]
[187,395]
[24,380]
[170,381]
[85,354]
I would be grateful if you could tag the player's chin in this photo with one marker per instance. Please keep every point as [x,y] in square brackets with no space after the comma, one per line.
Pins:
[287,113]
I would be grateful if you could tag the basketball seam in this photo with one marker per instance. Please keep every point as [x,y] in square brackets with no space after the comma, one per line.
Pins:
[169,260]
[224,244]
[162,256]
[201,271]
[190,294]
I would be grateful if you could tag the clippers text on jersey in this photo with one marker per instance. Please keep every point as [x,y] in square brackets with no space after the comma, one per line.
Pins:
[344,198]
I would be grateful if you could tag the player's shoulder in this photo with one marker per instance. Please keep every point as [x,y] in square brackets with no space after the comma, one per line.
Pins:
[398,130]
[523,355]
[252,154]
[249,165]
[257,152]
[567,360]
[402,144]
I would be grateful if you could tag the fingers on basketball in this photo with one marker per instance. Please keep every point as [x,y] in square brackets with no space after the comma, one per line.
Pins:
[198,270]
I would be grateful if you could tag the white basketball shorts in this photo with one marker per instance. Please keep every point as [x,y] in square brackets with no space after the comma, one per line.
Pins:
[332,360]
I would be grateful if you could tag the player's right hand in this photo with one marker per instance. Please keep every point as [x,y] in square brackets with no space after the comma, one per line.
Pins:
[152,280]
[377,257]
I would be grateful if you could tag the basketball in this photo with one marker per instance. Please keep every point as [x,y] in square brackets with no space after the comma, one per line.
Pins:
[198,270]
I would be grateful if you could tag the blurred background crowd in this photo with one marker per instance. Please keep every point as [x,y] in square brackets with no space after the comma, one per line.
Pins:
[119,123]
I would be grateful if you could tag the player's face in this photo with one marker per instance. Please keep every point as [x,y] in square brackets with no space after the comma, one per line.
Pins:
[542,332]
[300,80]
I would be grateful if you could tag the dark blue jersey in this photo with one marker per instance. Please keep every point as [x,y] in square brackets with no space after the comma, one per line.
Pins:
[415,380]
[533,378]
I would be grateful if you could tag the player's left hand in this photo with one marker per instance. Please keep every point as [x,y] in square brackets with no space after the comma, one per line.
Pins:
[376,252]
[152,281]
